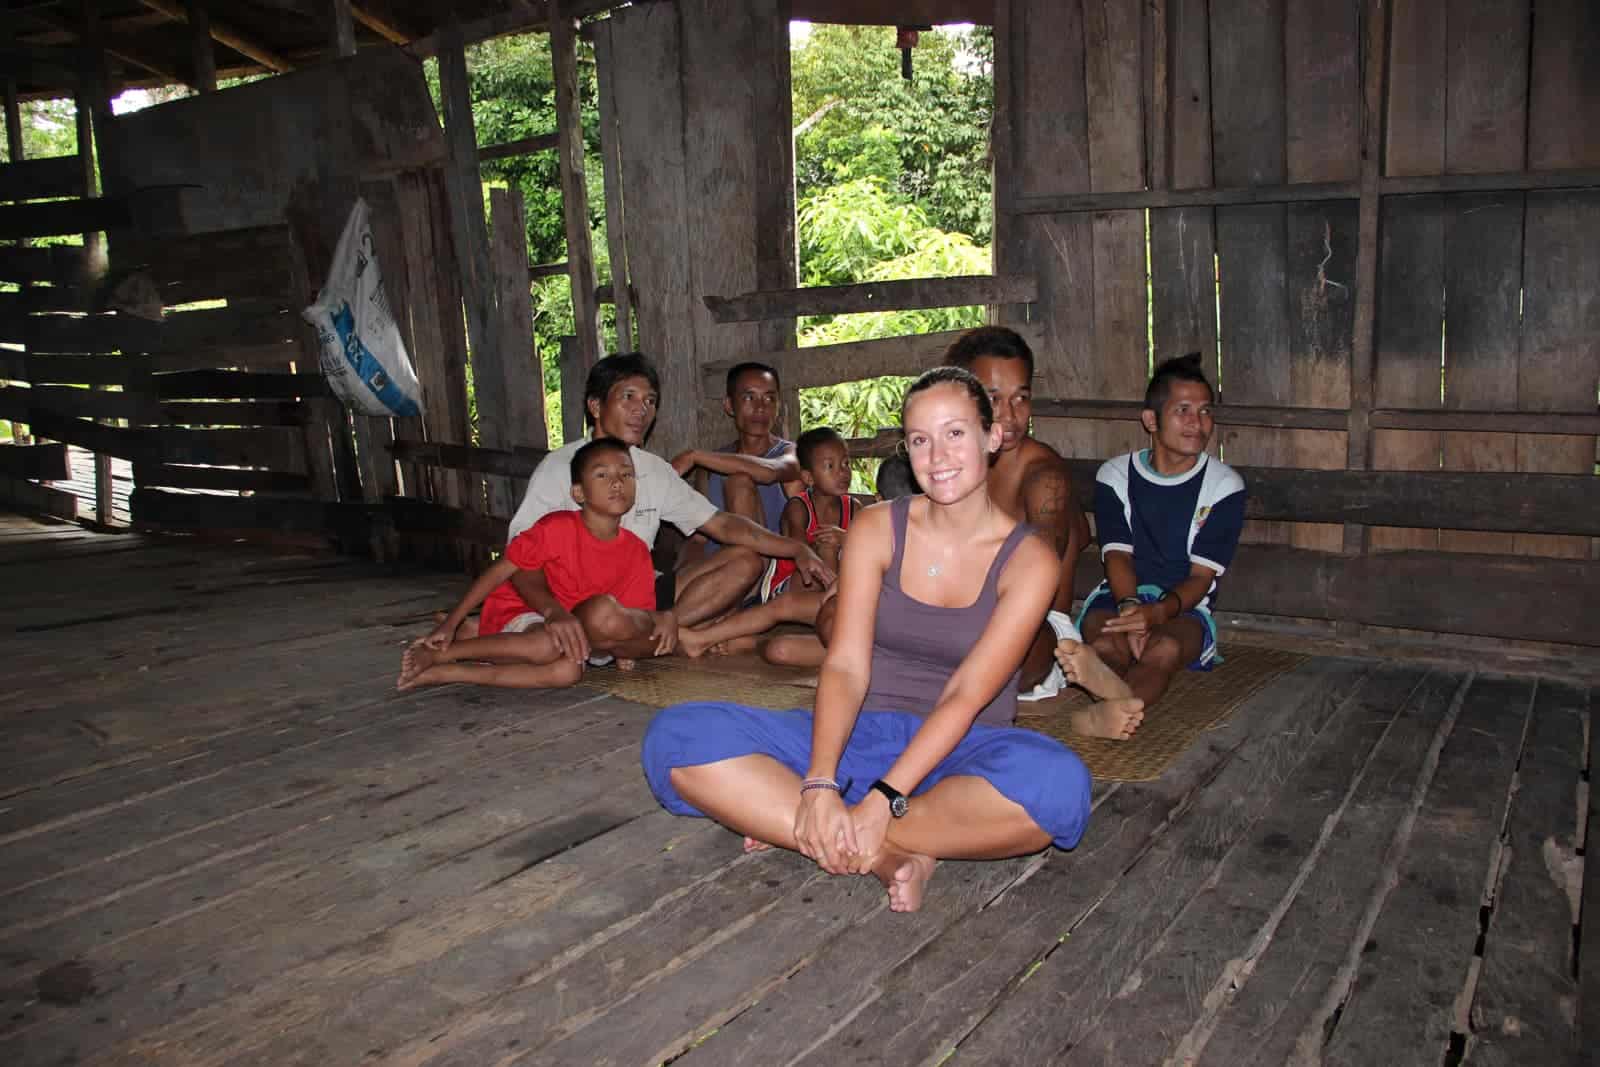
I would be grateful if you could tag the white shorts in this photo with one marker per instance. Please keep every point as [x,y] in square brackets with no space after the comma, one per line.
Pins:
[1055,681]
[529,619]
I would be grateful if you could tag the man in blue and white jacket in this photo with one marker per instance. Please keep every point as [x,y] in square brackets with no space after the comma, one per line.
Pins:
[1168,520]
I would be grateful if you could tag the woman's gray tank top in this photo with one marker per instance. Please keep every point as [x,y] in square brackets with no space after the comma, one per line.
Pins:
[916,647]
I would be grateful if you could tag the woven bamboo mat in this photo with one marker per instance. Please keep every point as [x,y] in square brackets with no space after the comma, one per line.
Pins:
[674,680]
[1196,701]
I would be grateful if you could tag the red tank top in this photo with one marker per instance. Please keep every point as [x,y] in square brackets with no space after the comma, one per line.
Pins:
[785,567]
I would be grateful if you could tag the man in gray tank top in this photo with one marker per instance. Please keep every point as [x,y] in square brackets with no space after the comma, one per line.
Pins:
[755,474]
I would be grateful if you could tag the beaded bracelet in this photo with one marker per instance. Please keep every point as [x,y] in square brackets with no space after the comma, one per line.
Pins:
[823,783]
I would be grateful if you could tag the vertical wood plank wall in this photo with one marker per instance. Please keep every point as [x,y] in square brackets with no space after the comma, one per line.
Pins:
[1486,301]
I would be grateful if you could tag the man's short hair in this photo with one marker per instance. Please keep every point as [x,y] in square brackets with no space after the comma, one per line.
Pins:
[813,439]
[739,370]
[895,479]
[989,341]
[1177,369]
[613,369]
[593,453]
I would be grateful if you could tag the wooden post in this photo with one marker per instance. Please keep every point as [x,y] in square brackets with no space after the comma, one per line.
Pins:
[344,28]
[1358,447]
[523,383]
[611,162]
[465,192]
[573,376]
[93,100]
[574,191]
[14,154]
[772,128]
[202,55]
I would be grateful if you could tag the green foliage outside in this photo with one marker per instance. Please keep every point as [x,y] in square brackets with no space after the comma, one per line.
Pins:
[893,181]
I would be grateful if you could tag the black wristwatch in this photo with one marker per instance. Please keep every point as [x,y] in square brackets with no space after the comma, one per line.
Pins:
[898,804]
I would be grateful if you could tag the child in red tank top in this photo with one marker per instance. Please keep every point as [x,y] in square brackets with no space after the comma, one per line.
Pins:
[820,515]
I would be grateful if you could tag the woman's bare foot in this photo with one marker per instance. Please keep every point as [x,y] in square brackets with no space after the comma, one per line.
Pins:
[626,664]
[1115,720]
[752,845]
[905,877]
[1083,666]
[417,659]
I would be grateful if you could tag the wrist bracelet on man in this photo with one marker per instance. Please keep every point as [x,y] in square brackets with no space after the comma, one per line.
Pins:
[1125,601]
[1175,599]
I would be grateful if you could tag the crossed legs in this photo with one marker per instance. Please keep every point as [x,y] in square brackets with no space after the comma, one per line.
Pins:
[1126,680]
[963,817]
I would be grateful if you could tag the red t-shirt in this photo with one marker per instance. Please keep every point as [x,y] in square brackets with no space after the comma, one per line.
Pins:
[577,565]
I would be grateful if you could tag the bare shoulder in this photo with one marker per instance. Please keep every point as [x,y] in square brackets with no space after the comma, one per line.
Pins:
[1034,564]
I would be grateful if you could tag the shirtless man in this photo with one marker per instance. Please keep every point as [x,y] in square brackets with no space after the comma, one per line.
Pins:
[1031,482]
[757,473]
[620,397]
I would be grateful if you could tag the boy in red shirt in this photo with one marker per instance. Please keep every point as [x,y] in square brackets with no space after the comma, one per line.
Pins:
[596,569]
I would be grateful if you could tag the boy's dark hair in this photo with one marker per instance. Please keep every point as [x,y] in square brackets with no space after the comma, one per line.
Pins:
[895,479]
[989,341]
[1177,369]
[613,369]
[592,453]
[813,439]
[739,370]
[952,376]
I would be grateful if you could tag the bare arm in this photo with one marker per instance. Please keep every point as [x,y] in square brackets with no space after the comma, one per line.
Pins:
[733,529]
[497,573]
[842,682]
[1120,575]
[566,630]
[784,468]
[1050,507]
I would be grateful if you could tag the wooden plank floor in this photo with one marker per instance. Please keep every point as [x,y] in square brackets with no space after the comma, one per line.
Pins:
[225,840]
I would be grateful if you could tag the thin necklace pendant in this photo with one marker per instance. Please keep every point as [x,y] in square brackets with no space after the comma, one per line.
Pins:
[933,571]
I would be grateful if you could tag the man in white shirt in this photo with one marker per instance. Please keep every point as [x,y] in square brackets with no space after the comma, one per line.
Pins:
[620,399]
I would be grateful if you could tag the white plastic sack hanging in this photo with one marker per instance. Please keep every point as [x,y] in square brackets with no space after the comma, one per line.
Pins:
[362,354]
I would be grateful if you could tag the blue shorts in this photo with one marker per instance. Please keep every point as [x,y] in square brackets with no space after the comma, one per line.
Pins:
[1101,599]
[1038,773]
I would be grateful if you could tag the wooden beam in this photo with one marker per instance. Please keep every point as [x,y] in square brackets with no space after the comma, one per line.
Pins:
[42,462]
[573,377]
[809,368]
[547,270]
[894,12]
[516,463]
[235,479]
[519,20]
[38,499]
[51,176]
[874,296]
[57,264]
[225,34]
[527,146]
[1451,500]
[611,168]
[344,28]
[524,370]
[71,402]
[470,232]
[1358,441]
[1305,192]
[574,187]
[202,54]
[381,25]
[157,508]
[93,100]
[59,218]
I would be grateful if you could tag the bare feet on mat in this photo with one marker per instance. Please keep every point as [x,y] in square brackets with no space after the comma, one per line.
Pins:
[1083,666]
[752,845]
[626,664]
[905,877]
[1115,720]
[417,659]
[735,645]
[694,644]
